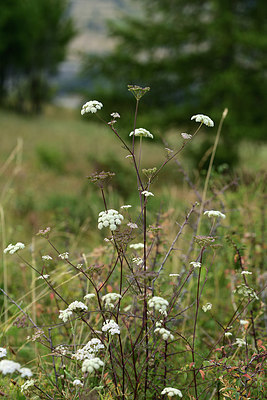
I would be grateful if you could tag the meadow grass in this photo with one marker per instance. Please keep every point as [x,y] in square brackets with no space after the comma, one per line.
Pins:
[45,184]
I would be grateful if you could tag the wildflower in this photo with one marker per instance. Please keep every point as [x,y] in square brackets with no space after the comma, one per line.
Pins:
[61,350]
[243,322]
[172,392]
[245,291]
[77,382]
[142,133]
[166,335]
[207,307]
[196,264]
[91,107]
[9,367]
[174,274]
[126,206]
[25,372]
[132,225]
[115,115]
[203,119]
[186,136]
[47,257]
[24,388]
[138,91]
[92,365]
[246,273]
[89,296]
[240,342]
[64,256]
[3,352]
[43,277]
[137,260]
[65,314]
[214,214]
[13,248]
[111,327]
[110,218]
[89,350]
[44,232]
[109,298]
[146,193]
[136,246]
[159,304]
[228,334]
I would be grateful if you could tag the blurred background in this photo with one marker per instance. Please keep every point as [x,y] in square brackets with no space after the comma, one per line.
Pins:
[197,57]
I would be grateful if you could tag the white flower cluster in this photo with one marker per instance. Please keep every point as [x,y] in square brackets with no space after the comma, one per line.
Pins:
[147,194]
[110,298]
[243,322]
[91,107]
[228,334]
[172,392]
[137,246]
[214,214]
[141,132]
[246,273]
[47,257]
[132,225]
[13,248]
[43,277]
[24,388]
[111,327]
[207,307]
[61,350]
[137,260]
[89,296]
[109,218]
[196,264]
[159,304]
[92,365]
[186,136]
[240,342]
[165,334]
[64,256]
[76,305]
[203,119]
[77,382]
[126,206]
[3,352]
[9,367]
[89,350]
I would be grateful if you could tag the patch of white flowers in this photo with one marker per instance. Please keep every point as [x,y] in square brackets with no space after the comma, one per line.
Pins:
[110,218]
[9,367]
[77,382]
[137,246]
[159,304]
[43,277]
[89,350]
[186,136]
[92,365]
[28,384]
[240,342]
[203,119]
[76,305]
[172,392]
[13,248]
[46,257]
[142,133]
[147,194]
[91,106]
[165,334]
[111,327]
[207,307]
[89,296]
[214,214]
[25,372]
[227,334]
[3,352]
[196,264]
[110,298]
[64,256]
[246,273]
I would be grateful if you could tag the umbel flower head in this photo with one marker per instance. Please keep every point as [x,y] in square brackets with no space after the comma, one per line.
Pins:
[203,119]
[91,106]
[142,132]
[172,392]
[13,248]
[110,218]
[159,304]
[92,365]
[214,214]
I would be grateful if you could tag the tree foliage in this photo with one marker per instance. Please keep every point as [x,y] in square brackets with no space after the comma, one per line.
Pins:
[197,56]
[34,35]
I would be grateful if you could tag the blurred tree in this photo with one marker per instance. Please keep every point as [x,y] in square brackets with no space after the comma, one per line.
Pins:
[197,56]
[33,39]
